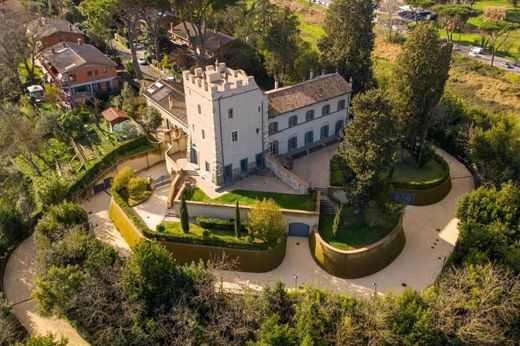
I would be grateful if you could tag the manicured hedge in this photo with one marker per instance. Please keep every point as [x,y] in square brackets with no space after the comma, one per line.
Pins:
[138,222]
[129,148]
[430,184]
[214,223]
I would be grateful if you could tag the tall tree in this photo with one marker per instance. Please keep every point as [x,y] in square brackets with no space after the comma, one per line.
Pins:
[419,77]
[280,44]
[370,141]
[453,18]
[349,40]
[498,32]
[185,219]
[200,13]
[153,16]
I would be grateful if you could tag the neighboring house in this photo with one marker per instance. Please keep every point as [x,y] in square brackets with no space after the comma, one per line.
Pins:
[49,31]
[307,114]
[113,116]
[231,122]
[79,70]
[167,97]
[215,43]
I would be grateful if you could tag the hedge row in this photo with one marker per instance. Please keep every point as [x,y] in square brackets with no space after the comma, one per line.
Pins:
[219,224]
[129,148]
[138,222]
[427,185]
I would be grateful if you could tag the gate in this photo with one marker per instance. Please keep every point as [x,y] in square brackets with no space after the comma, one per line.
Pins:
[298,229]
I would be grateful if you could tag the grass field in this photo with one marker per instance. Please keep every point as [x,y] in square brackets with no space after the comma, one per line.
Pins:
[284,200]
[355,232]
[408,172]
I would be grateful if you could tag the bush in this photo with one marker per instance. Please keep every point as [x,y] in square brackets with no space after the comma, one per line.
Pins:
[214,223]
[160,228]
[11,331]
[50,191]
[63,215]
[136,187]
[206,234]
[122,179]
[265,221]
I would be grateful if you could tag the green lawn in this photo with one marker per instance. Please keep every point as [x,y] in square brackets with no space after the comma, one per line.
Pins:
[407,172]
[355,232]
[198,235]
[284,200]
[336,175]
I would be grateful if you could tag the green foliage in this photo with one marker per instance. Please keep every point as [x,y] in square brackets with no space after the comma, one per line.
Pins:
[185,221]
[419,77]
[371,137]
[11,331]
[45,340]
[71,124]
[138,189]
[151,119]
[50,190]
[237,226]
[275,300]
[14,227]
[274,333]
[489,223]
[121,180]
[64,215]
[349,40]
[453,18]
[336,225]
[214,223]
[265,221]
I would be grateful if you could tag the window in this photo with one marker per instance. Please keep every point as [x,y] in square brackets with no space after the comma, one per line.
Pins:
[273,128]
[203,134]
[273,148]
[309,137]
[339,128]
[234,136]
[89,73]
[199,109]
[207,166]
[309,115]
[259,108]
[230,113]
[257,130]
[292,144]
[96,72]
[293,121]
[324,131]
[325,110]
[341,105]
[243,165]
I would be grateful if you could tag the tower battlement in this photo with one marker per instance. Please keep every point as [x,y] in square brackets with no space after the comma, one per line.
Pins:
[218,80]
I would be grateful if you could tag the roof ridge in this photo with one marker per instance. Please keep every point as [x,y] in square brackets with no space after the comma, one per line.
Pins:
[303,82]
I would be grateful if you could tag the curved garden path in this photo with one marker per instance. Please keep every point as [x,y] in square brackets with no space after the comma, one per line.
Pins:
[431,233]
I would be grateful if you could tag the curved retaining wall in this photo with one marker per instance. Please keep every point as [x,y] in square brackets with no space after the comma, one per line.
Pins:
[256,261]
[428,196]
[351,264]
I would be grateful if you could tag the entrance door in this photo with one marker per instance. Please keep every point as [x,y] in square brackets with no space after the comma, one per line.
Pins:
[243,166]
[298,229]
[260,160]
[228,173]
[194,156]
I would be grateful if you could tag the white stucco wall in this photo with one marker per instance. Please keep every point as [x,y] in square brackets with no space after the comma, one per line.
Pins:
[285,132]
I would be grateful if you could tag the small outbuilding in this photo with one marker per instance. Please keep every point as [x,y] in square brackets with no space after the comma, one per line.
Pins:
[114,116]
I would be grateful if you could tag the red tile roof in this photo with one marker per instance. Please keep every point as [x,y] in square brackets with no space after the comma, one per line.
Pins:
[114,115]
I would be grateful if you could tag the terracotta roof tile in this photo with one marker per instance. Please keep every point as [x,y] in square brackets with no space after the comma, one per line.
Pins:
[114,115]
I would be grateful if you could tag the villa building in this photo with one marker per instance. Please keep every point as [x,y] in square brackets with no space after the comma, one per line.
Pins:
[231,123]
[50,31]
[79,70]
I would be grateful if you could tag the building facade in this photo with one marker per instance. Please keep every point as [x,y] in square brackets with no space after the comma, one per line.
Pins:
[167,96]
[79,70]
[50,31]
[226,113]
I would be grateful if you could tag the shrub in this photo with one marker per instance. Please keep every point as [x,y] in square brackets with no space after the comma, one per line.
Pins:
[50,191]
[206,234]
[214,223]
[265,221]
[62,216]
[160,228]
[122,179]
[136,187]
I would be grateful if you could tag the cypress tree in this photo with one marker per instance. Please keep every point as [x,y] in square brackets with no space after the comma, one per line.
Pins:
[185,222]
[237,220]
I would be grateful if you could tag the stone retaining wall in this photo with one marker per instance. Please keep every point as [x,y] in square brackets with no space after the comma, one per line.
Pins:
[428,196]
[351,264]
[286,175]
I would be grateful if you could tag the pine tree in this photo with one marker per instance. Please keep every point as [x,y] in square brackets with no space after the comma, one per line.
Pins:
[349,40]
[418,81]
[185,222]
[237,220]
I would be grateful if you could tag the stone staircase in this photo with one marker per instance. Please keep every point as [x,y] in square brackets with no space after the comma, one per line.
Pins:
[327,205]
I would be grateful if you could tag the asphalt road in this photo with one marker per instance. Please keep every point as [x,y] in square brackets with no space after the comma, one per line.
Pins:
[125,55]
[485,58]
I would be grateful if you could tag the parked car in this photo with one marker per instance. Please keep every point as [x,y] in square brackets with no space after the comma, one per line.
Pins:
[477,50]
[507,65]
[473,54]
[142,61]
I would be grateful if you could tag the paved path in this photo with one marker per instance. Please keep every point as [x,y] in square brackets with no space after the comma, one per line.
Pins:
[19,277]
[431,233]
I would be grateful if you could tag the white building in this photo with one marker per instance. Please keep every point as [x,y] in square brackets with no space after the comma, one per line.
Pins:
[226,114]
[307,114]
[231,123]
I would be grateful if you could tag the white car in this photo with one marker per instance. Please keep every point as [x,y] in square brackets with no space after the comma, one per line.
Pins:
[477,50]
[473,54]
[142,61]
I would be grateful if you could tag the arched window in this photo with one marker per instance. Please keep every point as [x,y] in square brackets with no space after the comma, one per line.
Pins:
[293,121]
[309,115]
[325,110]
[341,105]
[273,128]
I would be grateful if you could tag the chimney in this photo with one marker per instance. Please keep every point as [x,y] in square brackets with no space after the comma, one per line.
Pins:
[276,84]
[170,101]
[80,41]
[311,74]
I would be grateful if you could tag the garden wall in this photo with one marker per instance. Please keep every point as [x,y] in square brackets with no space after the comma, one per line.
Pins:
[286,175]
[428,196]
[227,211]
[124,225]
[255,261]
[351,264]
